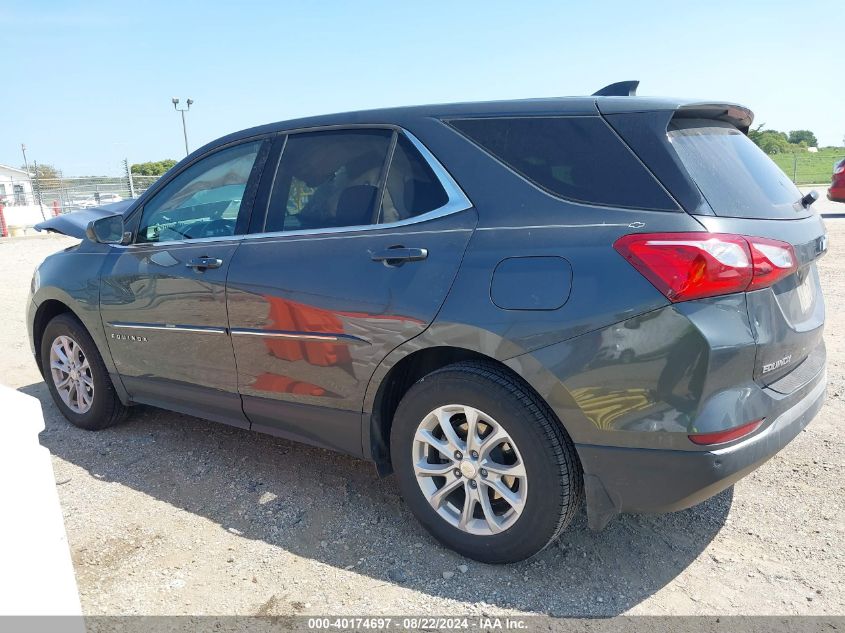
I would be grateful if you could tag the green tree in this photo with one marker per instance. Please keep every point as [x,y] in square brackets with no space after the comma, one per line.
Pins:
[770,141]
[796,137]
[44,171]
[153,168]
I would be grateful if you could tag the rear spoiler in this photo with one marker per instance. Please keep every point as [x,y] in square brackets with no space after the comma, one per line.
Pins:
[619,89]
[641,126]
[738,116]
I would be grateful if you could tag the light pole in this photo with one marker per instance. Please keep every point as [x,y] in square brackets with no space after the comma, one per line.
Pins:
[26,166]
[189,102]
[31,189]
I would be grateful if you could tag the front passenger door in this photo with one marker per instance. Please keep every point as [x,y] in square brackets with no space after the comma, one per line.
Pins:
[163,299]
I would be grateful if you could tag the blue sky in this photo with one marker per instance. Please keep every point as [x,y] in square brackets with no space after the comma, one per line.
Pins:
[87,83]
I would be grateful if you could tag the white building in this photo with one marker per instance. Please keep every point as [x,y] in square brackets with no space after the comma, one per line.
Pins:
[15,187]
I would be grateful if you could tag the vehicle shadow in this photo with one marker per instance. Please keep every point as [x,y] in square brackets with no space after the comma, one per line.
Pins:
[333,509]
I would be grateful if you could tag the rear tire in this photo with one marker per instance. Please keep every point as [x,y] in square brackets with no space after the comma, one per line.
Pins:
[466,506]
[77,377]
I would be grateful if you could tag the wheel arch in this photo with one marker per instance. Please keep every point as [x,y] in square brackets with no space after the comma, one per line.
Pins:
[52,306]
[46,312]
[399,378]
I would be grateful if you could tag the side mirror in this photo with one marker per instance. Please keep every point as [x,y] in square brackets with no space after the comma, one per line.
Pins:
[107,230]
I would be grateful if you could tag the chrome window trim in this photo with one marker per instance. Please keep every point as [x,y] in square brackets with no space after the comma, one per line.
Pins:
[167,327]
[300,237]
[172,243]
[456,198]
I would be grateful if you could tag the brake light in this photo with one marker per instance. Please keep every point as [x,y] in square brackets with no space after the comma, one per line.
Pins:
[773,260]
[721,437]
[686,266]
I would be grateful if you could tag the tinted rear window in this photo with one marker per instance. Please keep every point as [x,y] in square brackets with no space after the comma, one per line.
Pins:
[578,158]
[411,188]
[734,175]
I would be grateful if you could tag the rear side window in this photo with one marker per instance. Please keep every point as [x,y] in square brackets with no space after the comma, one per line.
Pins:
[412,188]
[578,158]
[328,179]
[337,178]
[734,175]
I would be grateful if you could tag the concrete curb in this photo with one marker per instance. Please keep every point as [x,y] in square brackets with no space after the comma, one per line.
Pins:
[37,575]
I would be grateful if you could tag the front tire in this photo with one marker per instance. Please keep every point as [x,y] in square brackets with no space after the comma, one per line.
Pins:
[77,377]
[483,463]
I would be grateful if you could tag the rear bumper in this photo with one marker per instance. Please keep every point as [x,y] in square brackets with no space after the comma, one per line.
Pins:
[837,194]
[655,481]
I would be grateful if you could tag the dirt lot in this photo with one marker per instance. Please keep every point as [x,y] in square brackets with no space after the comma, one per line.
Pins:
[169,514]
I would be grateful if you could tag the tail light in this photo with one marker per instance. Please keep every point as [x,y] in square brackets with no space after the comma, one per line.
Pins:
[721,437]
[773,260]
[686,266]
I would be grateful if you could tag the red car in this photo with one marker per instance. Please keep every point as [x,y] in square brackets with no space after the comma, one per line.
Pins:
[837,183]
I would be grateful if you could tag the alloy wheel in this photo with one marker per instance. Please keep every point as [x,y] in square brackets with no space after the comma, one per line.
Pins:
[71,374]
[469,469]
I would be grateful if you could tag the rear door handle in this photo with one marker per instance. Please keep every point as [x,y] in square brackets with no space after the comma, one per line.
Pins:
[203,263]
[397,255]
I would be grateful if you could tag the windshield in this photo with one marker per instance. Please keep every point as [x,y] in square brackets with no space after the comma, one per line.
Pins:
[733,174]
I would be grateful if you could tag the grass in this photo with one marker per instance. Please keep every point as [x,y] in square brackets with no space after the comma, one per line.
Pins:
[807,168]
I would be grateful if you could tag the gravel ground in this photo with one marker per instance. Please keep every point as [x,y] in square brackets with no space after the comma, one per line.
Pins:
[169,514]
[823,205]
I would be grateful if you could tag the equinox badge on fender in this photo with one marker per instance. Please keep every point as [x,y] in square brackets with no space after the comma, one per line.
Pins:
[777,364]
[129,337]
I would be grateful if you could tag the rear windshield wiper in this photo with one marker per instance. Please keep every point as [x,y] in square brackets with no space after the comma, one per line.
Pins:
[809,199]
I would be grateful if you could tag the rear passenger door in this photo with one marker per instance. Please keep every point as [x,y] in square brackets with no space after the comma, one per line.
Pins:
[363,235]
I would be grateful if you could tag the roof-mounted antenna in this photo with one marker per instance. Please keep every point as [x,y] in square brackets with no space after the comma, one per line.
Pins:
[619,89]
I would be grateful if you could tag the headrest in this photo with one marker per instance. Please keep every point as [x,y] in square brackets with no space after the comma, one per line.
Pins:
[422,195]
[355,205]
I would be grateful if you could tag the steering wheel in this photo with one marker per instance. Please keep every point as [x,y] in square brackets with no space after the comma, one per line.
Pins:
[213,228]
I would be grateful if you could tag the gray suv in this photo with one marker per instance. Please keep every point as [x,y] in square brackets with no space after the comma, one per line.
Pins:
[513,306]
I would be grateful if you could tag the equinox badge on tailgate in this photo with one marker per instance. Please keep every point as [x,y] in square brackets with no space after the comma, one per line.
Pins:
[777,364]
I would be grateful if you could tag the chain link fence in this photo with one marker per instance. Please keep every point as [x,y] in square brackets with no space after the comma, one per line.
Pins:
[25,202]
[63,195]
[30,200]
[809,168]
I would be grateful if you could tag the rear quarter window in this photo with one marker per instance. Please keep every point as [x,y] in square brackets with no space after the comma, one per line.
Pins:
[577,158]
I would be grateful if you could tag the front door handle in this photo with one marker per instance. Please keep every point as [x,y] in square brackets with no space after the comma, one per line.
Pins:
[204,263]
[398,255]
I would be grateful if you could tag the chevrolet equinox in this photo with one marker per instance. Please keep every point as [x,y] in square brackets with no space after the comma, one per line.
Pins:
[514,306]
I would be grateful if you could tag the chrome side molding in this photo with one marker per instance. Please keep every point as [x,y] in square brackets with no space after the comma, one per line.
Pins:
[168,327]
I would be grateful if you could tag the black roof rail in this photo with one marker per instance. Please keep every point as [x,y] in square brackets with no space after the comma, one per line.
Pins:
[619,89]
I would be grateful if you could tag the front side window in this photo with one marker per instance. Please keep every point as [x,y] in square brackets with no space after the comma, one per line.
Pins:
[328,179]
[202,201]
[578,158]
